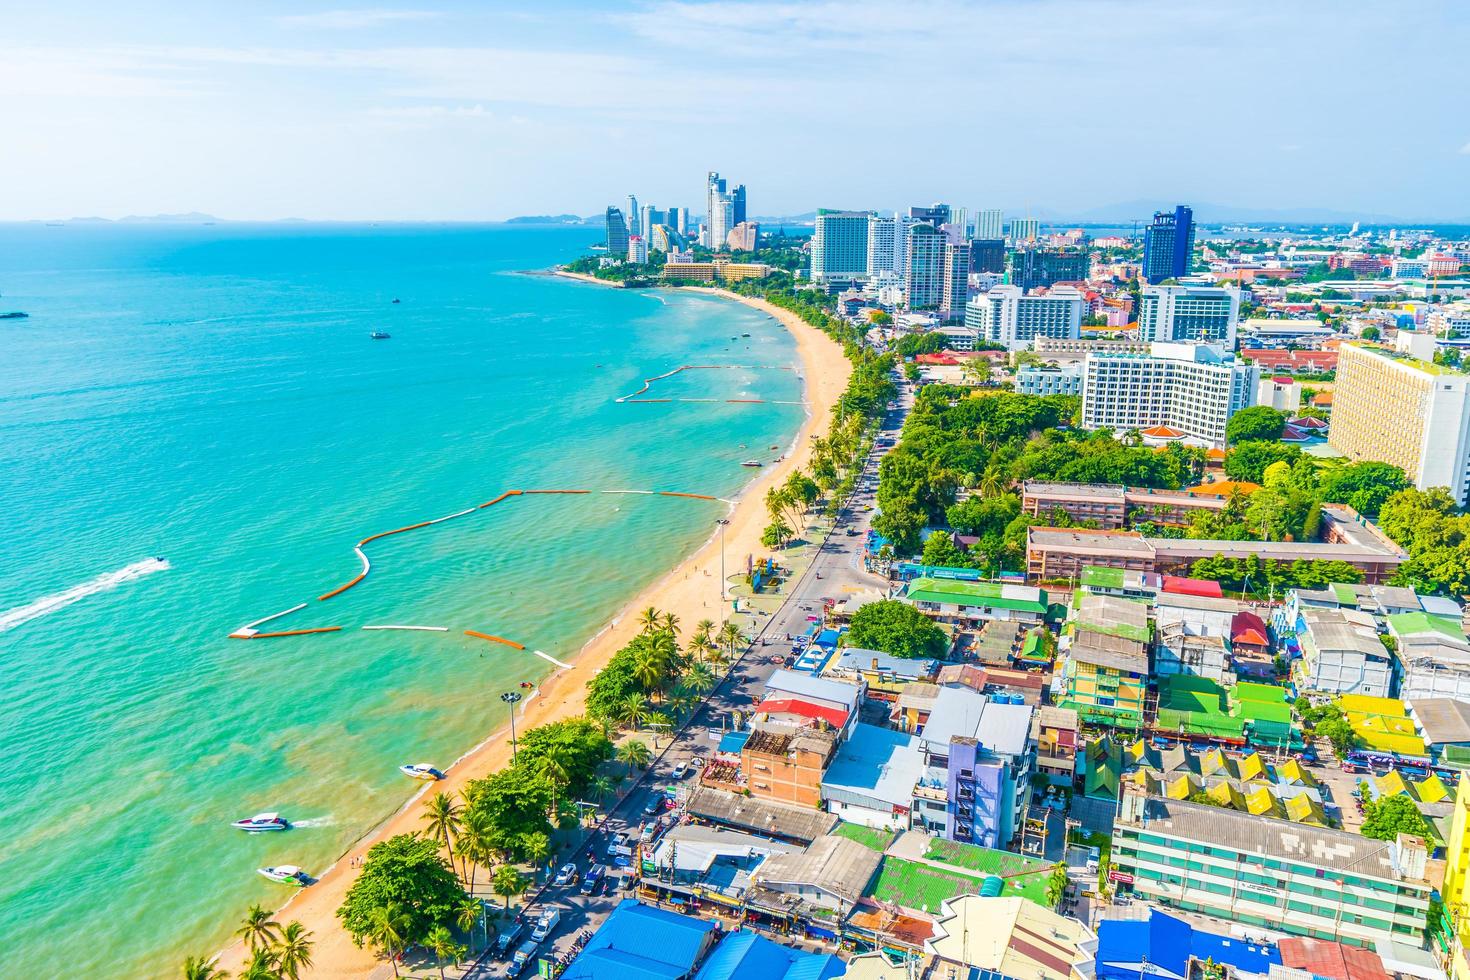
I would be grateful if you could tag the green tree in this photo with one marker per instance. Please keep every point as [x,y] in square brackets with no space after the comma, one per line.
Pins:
[635,755]
[260,966]
[442,814]
[1390,816]
[440,942]
[776,534]
[386,928]
[1339,732]
[1259,423]
[508,882]
[940,549]
[202,968]
[404,875]
[1249,460]
[897,628]
[292,952]
[468,916]
[1056,885]
[258,929]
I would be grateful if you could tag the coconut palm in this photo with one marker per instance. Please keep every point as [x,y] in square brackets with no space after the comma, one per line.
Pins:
[632,710]
[681,700]
[1056,885]
[258,930]
[649,619]
[260,967]
[386,928]
[509,882]
[658,721]
[704,628]
[442,814]
[700,645]
[468,914]
[634,754]
[550,769]
[292,952]
[441,943]
[669,623]
[474,843]
[730,636]
[649,667]
[601,788]
[199,968]
[700,678]
[536,848]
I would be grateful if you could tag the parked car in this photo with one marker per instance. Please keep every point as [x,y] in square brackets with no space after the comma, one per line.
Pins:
[621,845]
[680,771]
[651,808]
[546,925]
[592,880]
[565,875]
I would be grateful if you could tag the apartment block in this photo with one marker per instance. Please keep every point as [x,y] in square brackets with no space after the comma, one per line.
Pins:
[1006,315]
[1189,315]
[1193,389]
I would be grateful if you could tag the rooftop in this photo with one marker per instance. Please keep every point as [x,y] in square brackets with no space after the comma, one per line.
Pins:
[1444,721]
[1010,937]
[1024,598]
[859,659]
[808,687]
[760,816]
[877,764]
[639,942]
[838,865]
[749,956]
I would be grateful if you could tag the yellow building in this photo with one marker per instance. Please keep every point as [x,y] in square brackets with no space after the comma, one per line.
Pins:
[1394,408]
[722,270]
[1456,890]
[1383,724]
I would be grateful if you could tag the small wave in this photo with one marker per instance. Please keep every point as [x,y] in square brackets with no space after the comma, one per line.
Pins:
[326,821]
[12,618]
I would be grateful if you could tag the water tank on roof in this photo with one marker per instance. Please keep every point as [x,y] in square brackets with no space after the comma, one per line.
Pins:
[991,887]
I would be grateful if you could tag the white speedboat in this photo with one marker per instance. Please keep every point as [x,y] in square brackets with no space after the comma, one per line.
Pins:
[751,462]
[421,770]
[262,821]
[286,874]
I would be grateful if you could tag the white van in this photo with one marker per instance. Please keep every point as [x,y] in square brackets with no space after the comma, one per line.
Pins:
[546,926]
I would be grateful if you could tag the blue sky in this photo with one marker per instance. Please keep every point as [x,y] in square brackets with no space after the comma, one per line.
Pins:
[485,110]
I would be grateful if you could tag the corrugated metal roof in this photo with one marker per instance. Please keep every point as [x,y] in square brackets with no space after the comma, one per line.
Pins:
[748,956]
[638,942]
[806,686]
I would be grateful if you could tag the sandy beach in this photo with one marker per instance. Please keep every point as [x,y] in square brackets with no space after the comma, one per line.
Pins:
[690,591]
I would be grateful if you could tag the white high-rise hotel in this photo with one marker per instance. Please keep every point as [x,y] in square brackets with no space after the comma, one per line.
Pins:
[1189,315]
[888,240]
[1005,315]
[1193,388]
[840,245]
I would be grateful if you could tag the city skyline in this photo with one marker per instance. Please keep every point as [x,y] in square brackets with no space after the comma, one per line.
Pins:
[449,112]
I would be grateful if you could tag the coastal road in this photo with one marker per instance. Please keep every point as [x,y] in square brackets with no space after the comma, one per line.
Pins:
[836,571]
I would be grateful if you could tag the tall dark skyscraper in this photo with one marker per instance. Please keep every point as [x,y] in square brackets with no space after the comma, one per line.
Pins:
[617,233]
[935,214]
[1033,267]
[1168,244]
[737,202]
[988,255]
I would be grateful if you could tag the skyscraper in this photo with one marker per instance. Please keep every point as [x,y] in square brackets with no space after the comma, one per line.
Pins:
[617,233]
[637,249]
[1025,230]
[723,209]
[679,220]
[737,202]
[743,236]
[1034,267]
[934,214]
[1005,315]
[888,240]
[1168,244]
[923,278]
[635,227]
[840,245]
[988,254]
[990,225]
[956,286]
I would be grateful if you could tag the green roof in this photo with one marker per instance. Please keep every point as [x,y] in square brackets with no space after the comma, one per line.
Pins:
[1125,630]
[1408,624]
[1345,594]
[1272,694]
[870,837]
[1101,577]
[949,592]
[1195,704]
[920,886]
[1032,648]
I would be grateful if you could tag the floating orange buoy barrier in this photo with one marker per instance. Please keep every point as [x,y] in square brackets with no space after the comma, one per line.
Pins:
[508,493]
[693,496]
[494,639]
[266,636]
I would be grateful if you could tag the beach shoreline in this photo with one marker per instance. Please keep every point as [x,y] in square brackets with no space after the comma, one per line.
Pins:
[690,590]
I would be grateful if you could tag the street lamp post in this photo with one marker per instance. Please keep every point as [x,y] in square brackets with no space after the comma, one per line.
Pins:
[722,522]
[512,698]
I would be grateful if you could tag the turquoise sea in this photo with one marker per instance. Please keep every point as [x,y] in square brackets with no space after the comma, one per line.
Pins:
[210,395]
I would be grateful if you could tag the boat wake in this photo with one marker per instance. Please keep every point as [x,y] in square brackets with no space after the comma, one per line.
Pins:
[20,615]
[313,822]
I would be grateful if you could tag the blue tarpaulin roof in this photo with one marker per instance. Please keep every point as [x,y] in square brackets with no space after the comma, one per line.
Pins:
[733,742]
[639,942]
[747,956]
[1168,943]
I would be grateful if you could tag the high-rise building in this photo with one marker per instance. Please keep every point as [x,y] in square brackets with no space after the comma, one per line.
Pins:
[1189,314]
[1185,392]
[723,209]
[990,224]
[888,239]
[635,226]
[1168,244]
[637,249]
[956,280]
[743,236]
[617,233]
[1396,408]
[1035,267]
[934,214]
[679,220]
[1005,315]
[923,278]
[737,205]
[840,245]
[662,238]
[1025,230]
[988,255]
[960,218]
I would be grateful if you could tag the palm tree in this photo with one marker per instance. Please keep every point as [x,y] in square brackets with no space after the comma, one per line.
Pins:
[260,967]
[700,645]
[443,817]
[292,951]
[700,679]
[704,628]
[536,848]
[681,699]
[1056,885]
[648,667]
[670,623]
[386,927]
[441,943]
[467,915]
[258,930]
[730,636]
[658,721]
[474,843]
[509,882]
[551,770]
[199,968]
[632,710]
[649,619]
[601,788]
[634,754]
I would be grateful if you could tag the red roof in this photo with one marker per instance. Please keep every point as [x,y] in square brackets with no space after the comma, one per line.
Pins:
[1163,432]
[1309,423]
[947,359]
[1325,958]
[1192,586]
[835,717]
[1246,627]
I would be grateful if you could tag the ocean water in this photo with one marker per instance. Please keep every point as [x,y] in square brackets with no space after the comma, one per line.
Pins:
[210,396]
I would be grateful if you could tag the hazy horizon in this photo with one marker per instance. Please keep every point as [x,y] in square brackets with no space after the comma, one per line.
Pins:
[447,111]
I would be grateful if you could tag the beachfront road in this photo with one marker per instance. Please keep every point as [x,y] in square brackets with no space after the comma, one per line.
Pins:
[836,571]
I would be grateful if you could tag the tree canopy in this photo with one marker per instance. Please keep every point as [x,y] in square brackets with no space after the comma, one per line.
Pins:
[1390,816]
[1259,423]
[895,627]
[408,874]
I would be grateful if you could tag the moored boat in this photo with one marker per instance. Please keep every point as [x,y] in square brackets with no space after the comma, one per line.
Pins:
[286,874]
[380,335]
[262,822]
[421,770]
[751,462]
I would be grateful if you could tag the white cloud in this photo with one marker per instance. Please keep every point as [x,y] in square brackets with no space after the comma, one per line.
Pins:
[1465,149]
[353,20]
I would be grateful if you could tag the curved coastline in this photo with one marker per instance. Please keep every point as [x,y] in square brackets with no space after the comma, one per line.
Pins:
[687,590]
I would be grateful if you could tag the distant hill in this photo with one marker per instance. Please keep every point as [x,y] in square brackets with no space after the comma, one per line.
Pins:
[550,219]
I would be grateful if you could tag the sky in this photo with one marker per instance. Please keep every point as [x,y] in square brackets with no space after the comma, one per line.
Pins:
[486,110]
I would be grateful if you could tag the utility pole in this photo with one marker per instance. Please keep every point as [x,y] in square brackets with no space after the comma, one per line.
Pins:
[512,698]
[723,523]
